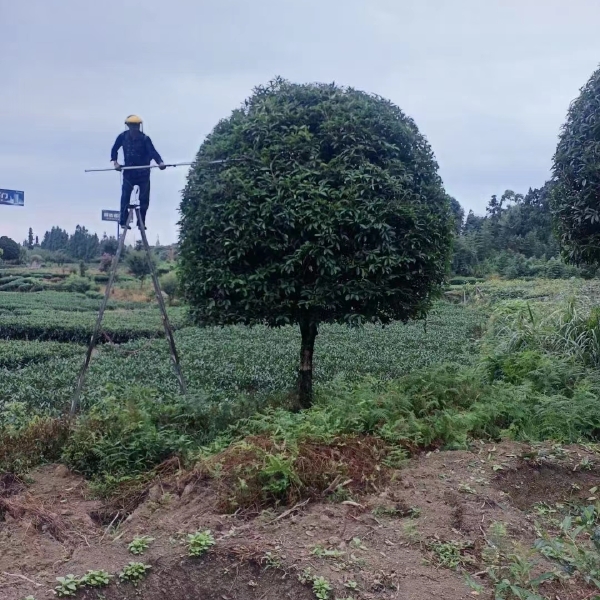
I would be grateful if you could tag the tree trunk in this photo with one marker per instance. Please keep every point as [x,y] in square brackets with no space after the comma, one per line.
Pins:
[308,329]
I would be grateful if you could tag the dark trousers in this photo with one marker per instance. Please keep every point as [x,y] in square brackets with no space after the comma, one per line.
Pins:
[128,184]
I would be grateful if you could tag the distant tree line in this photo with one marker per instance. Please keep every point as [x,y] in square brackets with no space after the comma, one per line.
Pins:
[515,238]
[60,247]
[80,245]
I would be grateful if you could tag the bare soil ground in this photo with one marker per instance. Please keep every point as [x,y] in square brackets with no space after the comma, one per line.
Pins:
[378,545]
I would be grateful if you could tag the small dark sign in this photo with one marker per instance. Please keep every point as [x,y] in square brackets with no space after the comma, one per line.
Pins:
[111,215]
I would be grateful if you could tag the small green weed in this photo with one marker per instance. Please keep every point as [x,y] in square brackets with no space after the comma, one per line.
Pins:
[278,474]
[139,544]
[96,578]
[321,587]
[451,555]
[396,458]
[321,552]
[465,488]
[272,561]
[497,533]
[411,532]
[577,547]
[412,512]
[200,542]
[476,587]
[67,586]
[514,580]
[511,569]
[306,576]
[134,572]
[386,511]
[357,543]
[543,509]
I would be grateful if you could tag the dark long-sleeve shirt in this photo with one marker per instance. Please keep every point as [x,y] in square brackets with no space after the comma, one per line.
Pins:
[138,151]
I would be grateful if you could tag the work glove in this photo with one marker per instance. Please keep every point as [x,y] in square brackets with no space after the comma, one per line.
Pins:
[162,166]
[117,165]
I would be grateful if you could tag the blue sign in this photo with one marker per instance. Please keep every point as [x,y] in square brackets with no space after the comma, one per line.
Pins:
[111,215]
[13,197]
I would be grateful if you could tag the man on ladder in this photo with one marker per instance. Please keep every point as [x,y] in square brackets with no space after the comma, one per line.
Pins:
[138,151]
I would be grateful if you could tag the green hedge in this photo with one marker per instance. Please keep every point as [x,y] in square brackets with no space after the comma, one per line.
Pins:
[61,301]
[60,326]
[17,354]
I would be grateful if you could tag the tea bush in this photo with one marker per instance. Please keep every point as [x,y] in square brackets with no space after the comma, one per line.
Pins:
[224,363]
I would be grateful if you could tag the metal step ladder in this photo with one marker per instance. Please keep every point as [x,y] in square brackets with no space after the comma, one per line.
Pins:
[133,209]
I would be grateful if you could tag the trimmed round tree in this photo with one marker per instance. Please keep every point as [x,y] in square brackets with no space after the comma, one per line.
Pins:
[330,210]
[575,195]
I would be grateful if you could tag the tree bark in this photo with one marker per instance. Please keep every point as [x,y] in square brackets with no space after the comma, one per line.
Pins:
[308,329]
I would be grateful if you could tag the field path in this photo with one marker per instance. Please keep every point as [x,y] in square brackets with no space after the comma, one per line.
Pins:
[391,543]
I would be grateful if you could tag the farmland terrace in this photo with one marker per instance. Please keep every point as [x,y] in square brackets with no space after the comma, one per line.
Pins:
[405,479]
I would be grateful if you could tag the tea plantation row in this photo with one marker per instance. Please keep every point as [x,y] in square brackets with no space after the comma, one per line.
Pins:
[217,362]
[68,317]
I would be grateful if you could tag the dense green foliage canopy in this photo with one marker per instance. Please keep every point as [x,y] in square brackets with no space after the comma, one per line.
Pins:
[576,195]
[333,212]
[10,248]
[330,209]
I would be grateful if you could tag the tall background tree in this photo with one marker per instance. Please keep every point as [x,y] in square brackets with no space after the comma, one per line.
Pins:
[55,239]
[83,245]
[30,239]
[335,213]
[576,194]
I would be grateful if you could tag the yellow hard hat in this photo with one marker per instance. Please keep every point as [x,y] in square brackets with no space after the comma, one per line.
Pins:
[133,120]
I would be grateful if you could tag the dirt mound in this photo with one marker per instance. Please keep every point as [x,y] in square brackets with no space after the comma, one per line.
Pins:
[415,535]
[532,484]
[213,578]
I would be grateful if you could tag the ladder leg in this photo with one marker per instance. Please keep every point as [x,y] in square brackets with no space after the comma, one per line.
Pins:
[161,304]
[92,344]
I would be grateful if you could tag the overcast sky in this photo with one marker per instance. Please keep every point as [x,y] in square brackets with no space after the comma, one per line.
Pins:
[487,81]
